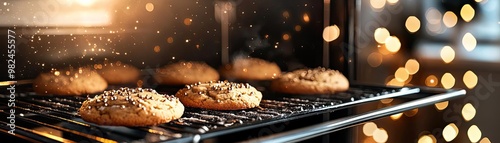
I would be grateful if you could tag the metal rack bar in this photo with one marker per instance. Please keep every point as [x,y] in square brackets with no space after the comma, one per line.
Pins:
[346,122]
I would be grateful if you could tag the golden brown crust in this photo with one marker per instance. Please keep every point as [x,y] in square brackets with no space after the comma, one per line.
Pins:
[182,73]
[118,73]
[311,81]
[251,69]
[131,107]
[72,81]
[220,96]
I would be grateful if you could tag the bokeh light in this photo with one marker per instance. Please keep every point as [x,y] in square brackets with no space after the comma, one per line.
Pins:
[447,54]
[469,42]
[297,28]
[331,33]
[431,81]
[412,66]
[396,83]
[369,128]
[392,44]
[485,140]
[425,139]
[467,13]
[374,59]
[286,37]
[188,21]
[470,79]
[386,101]
[381,34]
[170,40]
[392,2]
[474,133]
[396,116]
[305,17]
[150,7]
[401,74]
[448,81]
[441,105]
[411,113]
[450,19]
[380,135]
[412,24]
[450,132]
[468,112]
[377,4]
[156,49]
[433,16]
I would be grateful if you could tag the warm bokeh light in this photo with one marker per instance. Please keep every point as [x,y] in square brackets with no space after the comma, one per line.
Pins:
[431,81]
[470,79]
[382,50]
[392,2]
[485,140]
[170,40]
[469,42]
[381,34]
[380,135]
[331,33]
[392,44]
[286,14]
[305,17]
[433,16]
[369,128]
[468,112]
[412,66]
[411,113]
[474,133]
[150,7]
[298,28]
[156,49]
[188,21]
[386,101]
[401,74]
[412,24]
[441,105]
[450,132]
[450,19]
[448,81]
[467,13]
[447,54]
[426,139]
[377,4]
[374,59]
[396,116]
[394,82]
[286,37]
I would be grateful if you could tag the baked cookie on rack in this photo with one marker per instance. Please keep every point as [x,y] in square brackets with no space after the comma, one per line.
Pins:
[186,72]
[118,72]
[250,69]
[70,81]
[311,81]
[220,95]
[131,107]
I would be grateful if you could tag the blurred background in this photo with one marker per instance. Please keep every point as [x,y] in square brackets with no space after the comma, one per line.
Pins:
[442,44]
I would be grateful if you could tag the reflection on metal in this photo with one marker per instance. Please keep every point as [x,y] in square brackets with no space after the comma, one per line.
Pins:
[342,123]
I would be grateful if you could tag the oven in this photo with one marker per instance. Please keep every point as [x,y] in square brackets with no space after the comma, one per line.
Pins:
[405,76]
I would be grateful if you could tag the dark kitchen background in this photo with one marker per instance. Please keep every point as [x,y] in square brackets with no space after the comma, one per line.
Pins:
[444,44]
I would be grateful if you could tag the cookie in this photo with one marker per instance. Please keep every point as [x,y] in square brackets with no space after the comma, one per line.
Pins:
[311,81]
[71,81]
[131,107]
[221,95]
[118,72]
[251,69]
[182,73]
